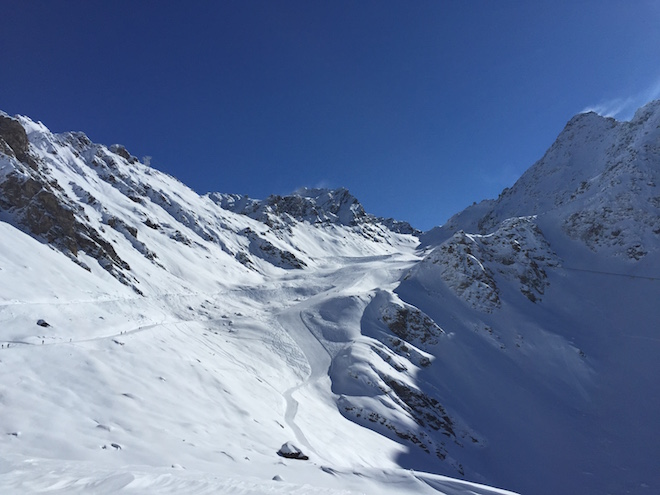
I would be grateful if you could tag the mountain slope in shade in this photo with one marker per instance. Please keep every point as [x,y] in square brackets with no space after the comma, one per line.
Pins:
[559,276]
[191,337]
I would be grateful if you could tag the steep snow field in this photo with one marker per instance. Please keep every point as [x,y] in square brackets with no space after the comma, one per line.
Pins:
[575,390]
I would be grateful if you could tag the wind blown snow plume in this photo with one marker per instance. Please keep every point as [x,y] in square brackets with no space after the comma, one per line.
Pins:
[624,108]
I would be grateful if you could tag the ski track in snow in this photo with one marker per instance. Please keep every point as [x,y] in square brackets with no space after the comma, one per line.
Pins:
[292,319]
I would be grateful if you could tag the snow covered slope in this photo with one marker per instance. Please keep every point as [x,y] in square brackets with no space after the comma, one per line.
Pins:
[157,340]
[551,295]
[598,182]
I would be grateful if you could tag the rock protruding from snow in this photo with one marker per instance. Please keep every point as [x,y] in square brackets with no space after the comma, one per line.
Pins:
[474,266]
[14,141]
[410,324]
[290,451]
[315,206]
[261,247]
[100,205]
[35,201]
[376,380]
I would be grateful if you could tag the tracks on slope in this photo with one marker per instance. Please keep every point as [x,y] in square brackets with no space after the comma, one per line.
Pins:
[356,279]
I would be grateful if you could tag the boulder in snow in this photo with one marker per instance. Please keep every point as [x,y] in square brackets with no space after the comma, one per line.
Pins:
[290,451]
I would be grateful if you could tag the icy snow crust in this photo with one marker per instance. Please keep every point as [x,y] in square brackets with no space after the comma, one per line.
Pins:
[187,339]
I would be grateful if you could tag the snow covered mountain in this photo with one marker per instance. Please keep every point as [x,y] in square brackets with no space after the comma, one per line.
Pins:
[155,339]
[560,276]
[597,181]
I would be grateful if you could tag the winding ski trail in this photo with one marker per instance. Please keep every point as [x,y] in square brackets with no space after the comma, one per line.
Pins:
[358,278]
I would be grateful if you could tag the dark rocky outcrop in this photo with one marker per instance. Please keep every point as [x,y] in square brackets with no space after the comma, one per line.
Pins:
[272,254]
[36,203]
[314,206]
[14,141]
[290,451]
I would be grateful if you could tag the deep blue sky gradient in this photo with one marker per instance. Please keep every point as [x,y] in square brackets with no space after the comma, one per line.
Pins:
[419,108]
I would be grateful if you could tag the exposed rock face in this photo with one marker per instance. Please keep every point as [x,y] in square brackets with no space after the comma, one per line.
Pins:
[71,193]
[315,262]
[290,451]
[38,204]
[120,150]
[474,266]
[409,415]
[268,251]
[412,325]
[314,206]
[14,141]
[378,389]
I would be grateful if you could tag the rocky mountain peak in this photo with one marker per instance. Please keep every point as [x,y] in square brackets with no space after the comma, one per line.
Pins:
[511,341]
[14,141]
[598,181]
[316,206]
[312,205]
[100,204]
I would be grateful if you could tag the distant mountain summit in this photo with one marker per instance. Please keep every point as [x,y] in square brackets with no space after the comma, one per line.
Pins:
[599,181]
[311,205]
[77,195]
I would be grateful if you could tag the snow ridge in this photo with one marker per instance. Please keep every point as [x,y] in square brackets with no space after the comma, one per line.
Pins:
[598,180]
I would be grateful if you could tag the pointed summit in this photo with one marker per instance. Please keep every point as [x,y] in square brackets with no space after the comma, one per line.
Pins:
[598,181]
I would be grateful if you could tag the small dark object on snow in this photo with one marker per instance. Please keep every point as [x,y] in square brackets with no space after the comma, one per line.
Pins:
[116,446]
[43,323]
[290,451]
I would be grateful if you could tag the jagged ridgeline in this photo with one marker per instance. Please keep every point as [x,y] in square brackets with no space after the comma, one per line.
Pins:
[56,188]
[514,346]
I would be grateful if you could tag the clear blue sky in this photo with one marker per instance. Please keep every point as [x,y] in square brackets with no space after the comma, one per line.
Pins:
[418,107]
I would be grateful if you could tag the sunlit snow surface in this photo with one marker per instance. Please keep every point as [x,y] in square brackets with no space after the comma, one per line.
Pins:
[182,392]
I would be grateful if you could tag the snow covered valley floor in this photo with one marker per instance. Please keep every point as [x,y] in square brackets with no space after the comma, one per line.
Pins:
[186,392]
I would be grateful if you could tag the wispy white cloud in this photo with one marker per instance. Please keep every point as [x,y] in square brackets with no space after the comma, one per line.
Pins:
[323,184]
[624,108]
